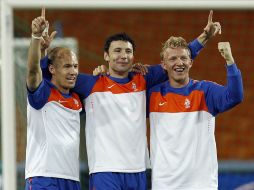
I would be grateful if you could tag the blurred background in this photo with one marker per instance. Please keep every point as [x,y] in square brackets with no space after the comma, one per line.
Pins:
[85,31]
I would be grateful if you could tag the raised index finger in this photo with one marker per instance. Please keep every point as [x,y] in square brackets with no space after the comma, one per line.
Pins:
[43,12]
[210,17]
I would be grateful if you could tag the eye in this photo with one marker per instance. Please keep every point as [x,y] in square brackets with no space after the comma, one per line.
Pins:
[172,59]
[184,58]
[67,65]
[117,50]
[129,51]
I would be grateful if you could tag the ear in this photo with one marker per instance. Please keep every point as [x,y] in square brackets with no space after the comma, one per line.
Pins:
[106,56]
[191,63]
[163,65]
[51,69]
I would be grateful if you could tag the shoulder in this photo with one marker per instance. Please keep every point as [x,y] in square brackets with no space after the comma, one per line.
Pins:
[208,83]
[44,85]
[203,84]
[38,98]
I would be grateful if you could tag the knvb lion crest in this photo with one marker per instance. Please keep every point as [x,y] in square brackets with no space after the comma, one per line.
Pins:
[134,86]
[187,103]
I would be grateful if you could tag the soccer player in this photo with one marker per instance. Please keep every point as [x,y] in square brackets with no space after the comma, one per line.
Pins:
[53,123]
[116,114]
[182,119]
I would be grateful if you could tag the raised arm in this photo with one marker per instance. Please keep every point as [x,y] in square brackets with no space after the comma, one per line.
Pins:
[34,74]
[234,82]
[221,98]
[211,29]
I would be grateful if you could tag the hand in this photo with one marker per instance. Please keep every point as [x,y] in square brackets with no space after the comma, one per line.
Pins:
[212,28]
[140,68]
[101,70]
[45,43]
[39,24]
[225,50]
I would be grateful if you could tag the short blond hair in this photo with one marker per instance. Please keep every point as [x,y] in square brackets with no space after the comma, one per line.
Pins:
[174,42]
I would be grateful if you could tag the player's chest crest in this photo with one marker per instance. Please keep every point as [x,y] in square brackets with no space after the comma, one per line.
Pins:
[187,103]
[175,104]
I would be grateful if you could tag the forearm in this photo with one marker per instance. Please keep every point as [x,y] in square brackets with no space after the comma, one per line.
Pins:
[232,93]
[234,83]
[43,53]
[34,75]
[222,98]
[195,47]
[203,38]
[156,75]
[230,60]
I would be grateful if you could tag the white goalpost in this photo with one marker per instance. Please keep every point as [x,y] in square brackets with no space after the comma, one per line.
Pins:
[7,55]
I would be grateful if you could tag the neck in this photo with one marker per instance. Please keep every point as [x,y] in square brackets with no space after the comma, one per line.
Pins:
[118,74]
[179,84]
[61,89]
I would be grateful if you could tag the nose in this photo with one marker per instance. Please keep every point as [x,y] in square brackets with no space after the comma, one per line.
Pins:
[73,70]
[179,61]
[123,55]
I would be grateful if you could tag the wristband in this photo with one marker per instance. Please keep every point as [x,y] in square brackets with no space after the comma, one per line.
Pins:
[37,38]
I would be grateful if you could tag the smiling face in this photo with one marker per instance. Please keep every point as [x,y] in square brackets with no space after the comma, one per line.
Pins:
[64,70]
[120,58]
[177,62]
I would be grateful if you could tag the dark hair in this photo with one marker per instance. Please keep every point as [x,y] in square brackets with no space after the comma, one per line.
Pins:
[118,37]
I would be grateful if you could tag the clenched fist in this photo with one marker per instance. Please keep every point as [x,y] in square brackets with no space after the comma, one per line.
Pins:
[225,50]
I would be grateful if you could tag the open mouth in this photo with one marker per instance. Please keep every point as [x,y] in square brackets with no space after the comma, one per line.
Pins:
[122,62]
[71,79]
[179,70]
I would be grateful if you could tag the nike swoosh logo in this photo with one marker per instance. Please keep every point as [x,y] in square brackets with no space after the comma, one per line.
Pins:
[162,103]
[62,101]
[111,86]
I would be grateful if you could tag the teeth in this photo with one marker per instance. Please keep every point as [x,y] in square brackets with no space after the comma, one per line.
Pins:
[179,69]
